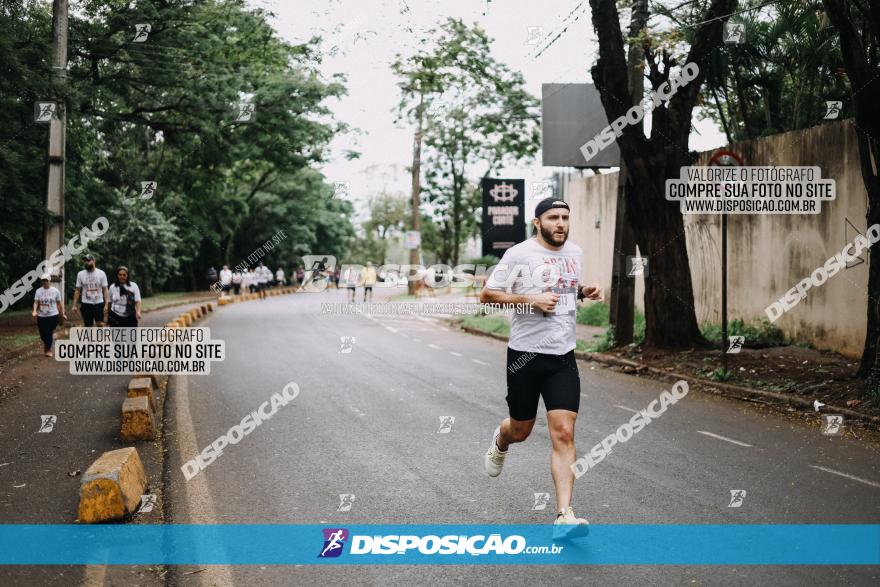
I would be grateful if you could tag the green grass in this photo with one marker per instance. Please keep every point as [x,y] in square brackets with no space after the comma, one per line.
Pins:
[593,315]
[402,298]
[161,299]
[13,342]
[494,324]
[15,315]
[598,315]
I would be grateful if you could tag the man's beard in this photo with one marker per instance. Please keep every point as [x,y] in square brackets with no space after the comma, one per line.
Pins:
[550,237]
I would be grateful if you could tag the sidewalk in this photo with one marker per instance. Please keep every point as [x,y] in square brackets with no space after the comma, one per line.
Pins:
[40,473]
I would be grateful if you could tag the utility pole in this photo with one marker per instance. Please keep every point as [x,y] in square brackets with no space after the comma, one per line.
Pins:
[416,185]
[622,299]
[54,234]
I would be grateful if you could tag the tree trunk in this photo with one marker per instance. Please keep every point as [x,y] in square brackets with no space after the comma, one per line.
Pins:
[147,283]
[873,329]
[670,317]
[864,79]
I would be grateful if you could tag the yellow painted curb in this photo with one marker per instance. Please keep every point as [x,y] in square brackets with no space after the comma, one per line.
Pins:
[138,420]
[112,486]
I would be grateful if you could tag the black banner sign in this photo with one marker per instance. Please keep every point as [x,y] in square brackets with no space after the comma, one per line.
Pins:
[504,225]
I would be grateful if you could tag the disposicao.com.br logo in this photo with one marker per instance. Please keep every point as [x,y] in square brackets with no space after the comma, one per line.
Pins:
[403,544]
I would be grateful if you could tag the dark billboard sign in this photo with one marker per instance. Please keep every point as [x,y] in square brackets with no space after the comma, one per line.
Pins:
[504,225]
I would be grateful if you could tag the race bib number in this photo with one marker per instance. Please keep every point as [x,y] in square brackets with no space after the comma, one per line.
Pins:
[566,303]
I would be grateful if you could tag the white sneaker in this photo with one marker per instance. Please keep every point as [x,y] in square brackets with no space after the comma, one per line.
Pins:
[494,460]
[567,525]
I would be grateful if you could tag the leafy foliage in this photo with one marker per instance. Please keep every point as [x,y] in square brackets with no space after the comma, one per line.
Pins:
[476,117]
[168,110]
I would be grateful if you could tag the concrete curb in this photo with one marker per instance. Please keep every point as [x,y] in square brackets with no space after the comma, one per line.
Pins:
[112,486]
[728,389]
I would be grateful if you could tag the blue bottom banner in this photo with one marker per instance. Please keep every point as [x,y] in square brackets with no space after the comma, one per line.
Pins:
[369,544]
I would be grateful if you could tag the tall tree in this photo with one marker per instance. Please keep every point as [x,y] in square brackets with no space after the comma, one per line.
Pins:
[670,317]
[788,65]
[479,118]
[858,24]
[167,109]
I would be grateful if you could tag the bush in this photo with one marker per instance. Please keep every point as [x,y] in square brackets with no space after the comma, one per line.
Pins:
[593,315]
[762,334]
[598,315]
[604,344]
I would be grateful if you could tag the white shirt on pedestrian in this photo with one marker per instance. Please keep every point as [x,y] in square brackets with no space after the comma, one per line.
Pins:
[47,299]
[118,300]
[225,276]
[92,284]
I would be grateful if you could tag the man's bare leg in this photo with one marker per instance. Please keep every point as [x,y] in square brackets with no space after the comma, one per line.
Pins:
[561,425]
[514,431]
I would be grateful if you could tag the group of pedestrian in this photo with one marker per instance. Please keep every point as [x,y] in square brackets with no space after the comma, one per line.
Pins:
[354,277]
[98,301]
[249,280]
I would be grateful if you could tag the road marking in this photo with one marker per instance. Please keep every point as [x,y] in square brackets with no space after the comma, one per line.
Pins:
[456,354]
[479,362]
[853,477]
[625,408]
[94,576]
[199,503]
[434,346]
[724,438]
[389,329]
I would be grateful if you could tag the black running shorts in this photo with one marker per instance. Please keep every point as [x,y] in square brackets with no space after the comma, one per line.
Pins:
[92,313]
[553,377]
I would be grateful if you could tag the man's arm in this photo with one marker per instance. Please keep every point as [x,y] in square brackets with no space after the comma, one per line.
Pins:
[75,299]
[546,301]
[497,296]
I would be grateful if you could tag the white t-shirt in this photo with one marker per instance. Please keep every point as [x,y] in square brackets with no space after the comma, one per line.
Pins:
[118,301]
[236,277]
[531,268]
[279,275]
[92,284]
[47,301]
[225,276]
[264,274]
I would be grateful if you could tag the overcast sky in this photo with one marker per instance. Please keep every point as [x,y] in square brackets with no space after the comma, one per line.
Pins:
[361,38]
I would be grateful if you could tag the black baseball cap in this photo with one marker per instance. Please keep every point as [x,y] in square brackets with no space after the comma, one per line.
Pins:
[88,257]
[547,204]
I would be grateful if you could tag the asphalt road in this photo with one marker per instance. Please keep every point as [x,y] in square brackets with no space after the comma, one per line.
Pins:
[366,423]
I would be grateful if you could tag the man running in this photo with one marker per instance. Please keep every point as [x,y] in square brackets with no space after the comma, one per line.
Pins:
[542,272]
[91,293]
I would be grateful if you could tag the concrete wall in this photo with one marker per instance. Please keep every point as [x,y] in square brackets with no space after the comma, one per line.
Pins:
[767,254]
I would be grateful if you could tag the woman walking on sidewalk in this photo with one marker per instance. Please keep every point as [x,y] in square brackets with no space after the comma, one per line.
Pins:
[48,305]
[125,301]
